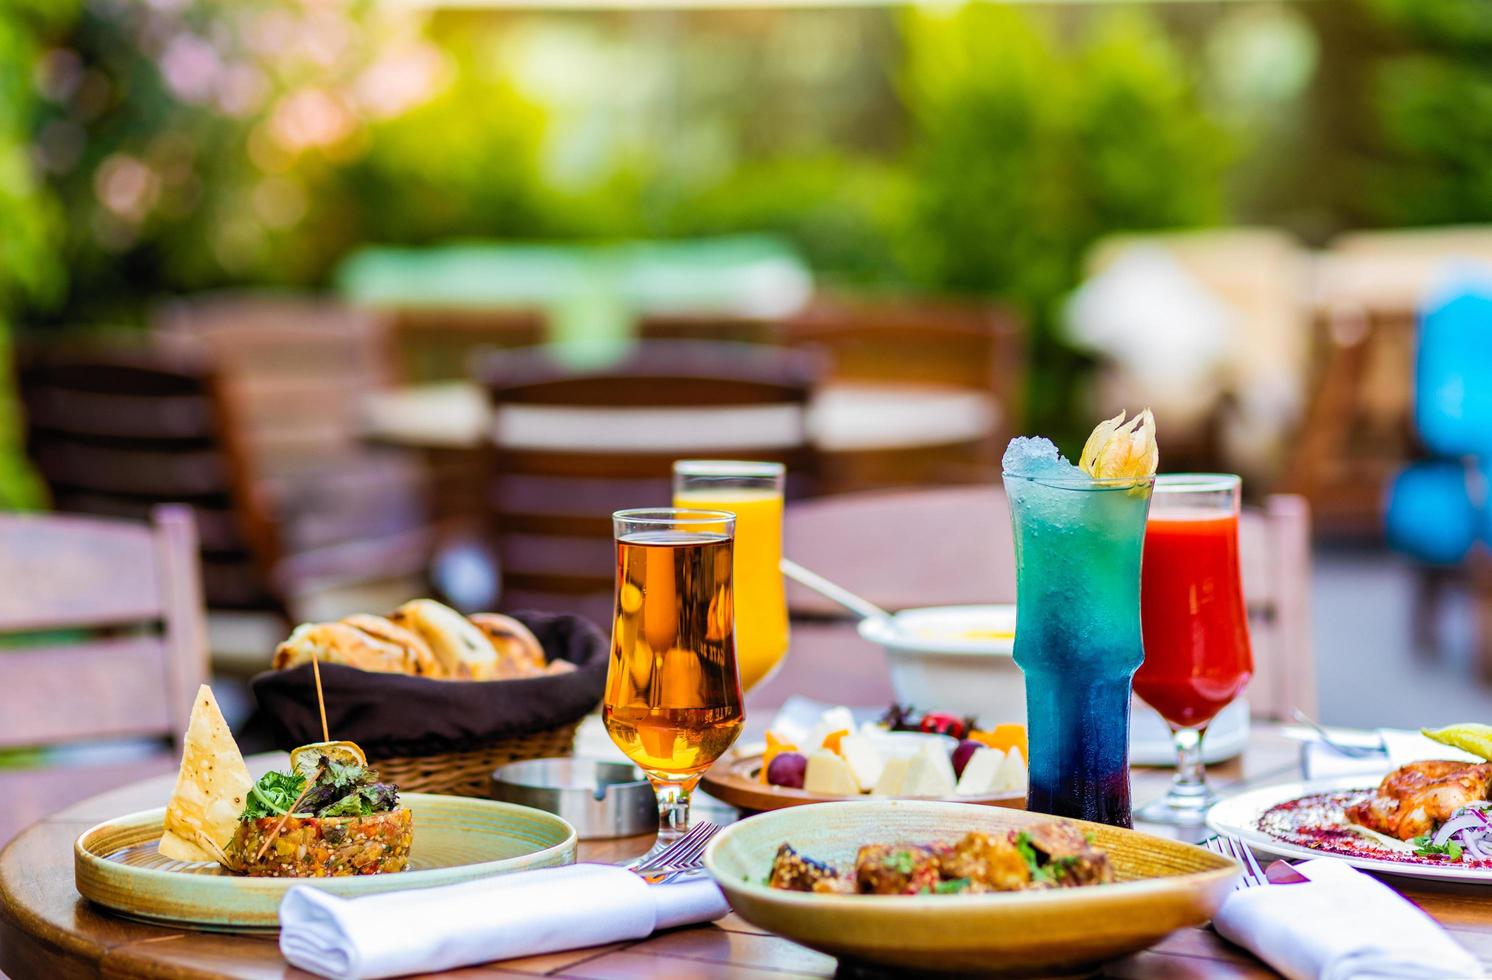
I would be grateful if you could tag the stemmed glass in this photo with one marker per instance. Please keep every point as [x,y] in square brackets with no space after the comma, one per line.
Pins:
[1197,655]
[673,696]
[753,492]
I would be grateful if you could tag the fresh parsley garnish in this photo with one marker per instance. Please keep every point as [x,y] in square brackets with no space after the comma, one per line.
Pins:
[1425,846]
[338,791]
[1039,871]
[952,886]
[900,862]
[273,795]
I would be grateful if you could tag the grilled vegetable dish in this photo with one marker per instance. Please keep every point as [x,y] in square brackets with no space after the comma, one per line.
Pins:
[1047,855]
[329,817]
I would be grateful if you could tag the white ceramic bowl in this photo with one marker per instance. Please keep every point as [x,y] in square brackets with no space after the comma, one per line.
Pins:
[960,659]
[954,658]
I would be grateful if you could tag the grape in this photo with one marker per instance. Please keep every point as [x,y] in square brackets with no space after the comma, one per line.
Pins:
[788,769]
[963,753]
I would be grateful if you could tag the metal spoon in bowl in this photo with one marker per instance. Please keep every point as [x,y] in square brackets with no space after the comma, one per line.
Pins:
[863,608]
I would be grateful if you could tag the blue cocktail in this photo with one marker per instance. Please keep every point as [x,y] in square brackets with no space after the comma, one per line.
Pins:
[1077,548]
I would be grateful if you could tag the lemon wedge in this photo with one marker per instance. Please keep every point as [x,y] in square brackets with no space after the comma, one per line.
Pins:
[1470,737]
[1119,450]
[307,759]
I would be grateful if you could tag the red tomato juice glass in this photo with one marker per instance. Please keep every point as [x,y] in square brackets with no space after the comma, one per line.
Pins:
[1195,625]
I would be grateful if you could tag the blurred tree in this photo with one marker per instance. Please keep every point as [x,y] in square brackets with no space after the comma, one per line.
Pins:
[1024,151]
[1431,97]
[30,270]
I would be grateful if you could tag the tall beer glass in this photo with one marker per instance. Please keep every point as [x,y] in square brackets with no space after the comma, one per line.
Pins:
[673,696]
[753,492]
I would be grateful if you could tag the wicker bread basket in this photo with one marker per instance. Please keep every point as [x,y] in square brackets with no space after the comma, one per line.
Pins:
[436,736]
[470,773]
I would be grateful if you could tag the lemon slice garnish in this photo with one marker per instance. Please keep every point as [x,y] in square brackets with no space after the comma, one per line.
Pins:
[1119,450]
[1470,737]
[307,759]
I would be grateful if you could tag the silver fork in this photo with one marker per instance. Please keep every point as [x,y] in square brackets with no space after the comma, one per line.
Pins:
[1341,748]
[682,855]
[1234,849]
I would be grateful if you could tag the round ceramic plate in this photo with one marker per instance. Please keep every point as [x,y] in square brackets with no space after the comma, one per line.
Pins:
[1163,886]
[456,838]
[1239,816]
[737,780]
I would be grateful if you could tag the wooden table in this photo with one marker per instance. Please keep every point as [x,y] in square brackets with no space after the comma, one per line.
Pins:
[48,930]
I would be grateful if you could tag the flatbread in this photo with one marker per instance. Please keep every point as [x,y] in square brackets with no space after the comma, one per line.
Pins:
[211,788]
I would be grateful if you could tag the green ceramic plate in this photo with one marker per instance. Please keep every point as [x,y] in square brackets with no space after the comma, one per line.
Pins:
[456,838]
[1163,886]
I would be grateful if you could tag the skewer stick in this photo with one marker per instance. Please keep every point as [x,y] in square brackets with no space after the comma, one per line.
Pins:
[320,700]
[310,785]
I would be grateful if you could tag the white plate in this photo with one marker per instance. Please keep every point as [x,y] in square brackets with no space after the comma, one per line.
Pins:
[1239,816]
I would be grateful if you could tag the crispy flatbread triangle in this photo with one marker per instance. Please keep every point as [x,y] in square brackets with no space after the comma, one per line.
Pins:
[211,788]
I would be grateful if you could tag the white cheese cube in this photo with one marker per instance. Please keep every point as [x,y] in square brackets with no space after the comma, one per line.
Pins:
[864,758]
[930,773]
[828,773]
[1011,779]
[981,772]
[831,721]
[893,776]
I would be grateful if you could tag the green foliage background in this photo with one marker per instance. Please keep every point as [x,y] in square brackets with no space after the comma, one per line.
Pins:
[975,150]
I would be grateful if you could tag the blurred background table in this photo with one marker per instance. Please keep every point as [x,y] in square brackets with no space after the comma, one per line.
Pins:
[47,929]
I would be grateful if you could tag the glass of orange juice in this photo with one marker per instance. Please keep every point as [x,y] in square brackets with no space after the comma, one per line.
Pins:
[753,492]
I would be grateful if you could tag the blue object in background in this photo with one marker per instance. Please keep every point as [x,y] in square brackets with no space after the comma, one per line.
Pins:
[1453,390]
[1431,515]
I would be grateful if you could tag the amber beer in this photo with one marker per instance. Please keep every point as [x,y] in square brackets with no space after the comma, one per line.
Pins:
[673,701]
[673,695]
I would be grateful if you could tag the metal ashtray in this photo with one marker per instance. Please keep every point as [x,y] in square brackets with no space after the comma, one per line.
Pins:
[601,800]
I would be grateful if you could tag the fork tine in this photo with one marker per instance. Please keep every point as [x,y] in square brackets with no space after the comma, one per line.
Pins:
[1223,847]
[1241,854]
[1251,862]
[665,858]
[693,854]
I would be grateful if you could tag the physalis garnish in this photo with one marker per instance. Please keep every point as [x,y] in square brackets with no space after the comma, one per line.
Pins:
[1119,450]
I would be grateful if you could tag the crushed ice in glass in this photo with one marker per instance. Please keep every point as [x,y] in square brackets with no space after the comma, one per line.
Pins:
[1036,456]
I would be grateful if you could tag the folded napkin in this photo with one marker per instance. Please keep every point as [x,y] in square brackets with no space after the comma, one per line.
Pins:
[1320,761]
[1341,925]
[522,914]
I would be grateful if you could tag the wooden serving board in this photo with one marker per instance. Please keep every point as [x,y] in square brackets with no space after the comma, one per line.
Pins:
[736,780]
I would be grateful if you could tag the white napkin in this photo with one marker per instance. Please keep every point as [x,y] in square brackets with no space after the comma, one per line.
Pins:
[1320,761]
[500,918]
[1341,925]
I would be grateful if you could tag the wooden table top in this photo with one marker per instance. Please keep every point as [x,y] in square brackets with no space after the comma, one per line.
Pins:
[48,930]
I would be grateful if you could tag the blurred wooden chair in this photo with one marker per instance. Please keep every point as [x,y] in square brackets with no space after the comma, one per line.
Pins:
[922,349]
[295,370]
[103,640]
[953,546]
[293,374]
[115,429]
[570,445]
[434,344]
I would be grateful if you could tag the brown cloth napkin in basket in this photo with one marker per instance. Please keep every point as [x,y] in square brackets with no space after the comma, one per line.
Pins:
[398,715]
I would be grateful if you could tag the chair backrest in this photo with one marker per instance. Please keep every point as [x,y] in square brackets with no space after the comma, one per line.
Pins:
[441,344]
[294,371]
[115,429]
[939,342]
[953,546]
[1275,553]
[103,638]
[573,444]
